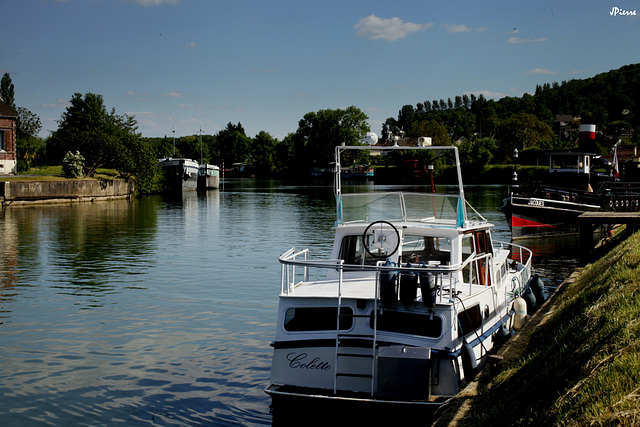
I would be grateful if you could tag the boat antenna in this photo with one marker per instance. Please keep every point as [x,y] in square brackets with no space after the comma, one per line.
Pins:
[174,140]
[200,145]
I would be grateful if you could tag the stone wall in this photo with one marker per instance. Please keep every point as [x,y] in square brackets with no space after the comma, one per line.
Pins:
[12,192]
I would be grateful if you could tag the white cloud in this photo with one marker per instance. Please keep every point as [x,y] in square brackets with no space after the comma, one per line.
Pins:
[155,2]
[173,95]
[518,40]
[452,28]
[61,103]
[190,45]
[375,28]
[540,71]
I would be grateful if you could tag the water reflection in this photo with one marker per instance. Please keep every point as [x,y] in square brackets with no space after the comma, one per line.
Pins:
[158,310]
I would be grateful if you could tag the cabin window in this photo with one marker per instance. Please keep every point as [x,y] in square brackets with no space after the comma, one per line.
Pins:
[3,141]
[317,319]
[352,252]
[483,247]
[417,249]
[469,320]
[469,273]
[426,325]
[565,162]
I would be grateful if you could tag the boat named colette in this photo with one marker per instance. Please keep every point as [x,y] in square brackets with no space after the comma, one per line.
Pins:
[406,308]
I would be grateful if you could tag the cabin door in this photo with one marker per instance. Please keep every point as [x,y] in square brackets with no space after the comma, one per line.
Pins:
[483,249]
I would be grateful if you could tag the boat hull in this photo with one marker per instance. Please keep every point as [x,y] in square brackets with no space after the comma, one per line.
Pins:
[532,217]
[540,217]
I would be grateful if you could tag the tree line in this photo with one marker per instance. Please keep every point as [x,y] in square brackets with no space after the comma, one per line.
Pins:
[486,131]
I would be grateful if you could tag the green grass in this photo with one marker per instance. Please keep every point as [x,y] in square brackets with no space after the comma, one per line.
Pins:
[54,173]
[582,366]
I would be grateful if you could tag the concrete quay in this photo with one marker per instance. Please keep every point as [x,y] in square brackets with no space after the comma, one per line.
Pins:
[13,193]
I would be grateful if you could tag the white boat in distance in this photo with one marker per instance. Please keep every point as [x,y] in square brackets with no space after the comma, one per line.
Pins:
[405,309]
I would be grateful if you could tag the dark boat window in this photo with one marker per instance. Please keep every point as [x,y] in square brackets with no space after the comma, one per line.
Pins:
[402,322]
[317,319]
[419,248]
[470,320]
[353,253]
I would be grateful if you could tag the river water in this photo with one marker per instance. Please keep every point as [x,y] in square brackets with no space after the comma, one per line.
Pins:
[160,311]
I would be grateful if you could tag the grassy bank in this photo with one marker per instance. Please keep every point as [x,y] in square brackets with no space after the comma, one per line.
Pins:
[582,364]
[54,173]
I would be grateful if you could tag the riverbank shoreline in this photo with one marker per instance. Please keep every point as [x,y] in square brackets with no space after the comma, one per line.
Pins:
[454,411]
[565,364]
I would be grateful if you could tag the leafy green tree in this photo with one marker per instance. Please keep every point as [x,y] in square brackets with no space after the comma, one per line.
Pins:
[104,140]
[320,132]
[475,154]
[7,92]
[234,144]
[430,128]
[29,147]
[523,131]
[264,148]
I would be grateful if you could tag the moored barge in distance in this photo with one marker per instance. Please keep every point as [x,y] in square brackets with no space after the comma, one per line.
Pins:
[404,310]
[179,174]
[208,177]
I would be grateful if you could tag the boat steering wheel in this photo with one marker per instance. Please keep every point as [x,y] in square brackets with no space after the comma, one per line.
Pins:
[386,238]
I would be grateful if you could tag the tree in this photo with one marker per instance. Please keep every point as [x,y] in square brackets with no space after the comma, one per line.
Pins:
[264,147]
[234,144]
[523,131]
[431,128]
[320,132]
[30,147]
[7,92]
[104,140]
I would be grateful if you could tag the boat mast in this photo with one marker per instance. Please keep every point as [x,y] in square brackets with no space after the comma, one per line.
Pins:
[200,145]
[174,140]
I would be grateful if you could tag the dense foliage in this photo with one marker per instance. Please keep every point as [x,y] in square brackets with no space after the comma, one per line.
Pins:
[485,131]
[105,139]
[608,100]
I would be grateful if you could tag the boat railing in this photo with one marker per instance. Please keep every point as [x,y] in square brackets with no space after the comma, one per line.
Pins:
[523,256]
[296,268]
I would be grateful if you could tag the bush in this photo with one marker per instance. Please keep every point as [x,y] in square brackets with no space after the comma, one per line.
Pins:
[73,165]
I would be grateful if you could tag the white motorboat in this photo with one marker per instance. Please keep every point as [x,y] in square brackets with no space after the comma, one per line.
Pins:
[407,307]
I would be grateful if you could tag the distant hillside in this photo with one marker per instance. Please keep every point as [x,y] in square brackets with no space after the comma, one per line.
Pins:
[549,119]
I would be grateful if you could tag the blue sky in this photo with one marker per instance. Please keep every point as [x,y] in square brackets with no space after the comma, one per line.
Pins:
[200,64]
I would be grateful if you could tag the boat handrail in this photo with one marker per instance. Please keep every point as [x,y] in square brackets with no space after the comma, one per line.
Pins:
[444,272]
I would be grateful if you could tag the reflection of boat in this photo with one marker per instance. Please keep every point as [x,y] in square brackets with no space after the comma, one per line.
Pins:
[577,182]
[179,174]
[357,172]
[404,310]
[208,177]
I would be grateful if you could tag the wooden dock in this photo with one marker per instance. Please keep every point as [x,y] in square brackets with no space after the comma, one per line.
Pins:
[589,221]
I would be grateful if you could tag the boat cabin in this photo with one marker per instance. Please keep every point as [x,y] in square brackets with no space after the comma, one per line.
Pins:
[570,162]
